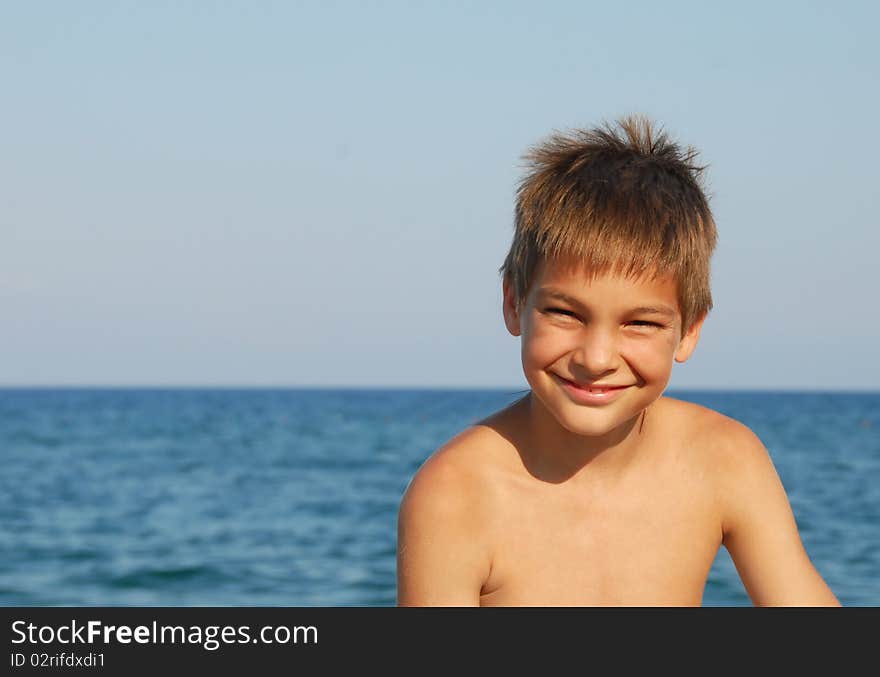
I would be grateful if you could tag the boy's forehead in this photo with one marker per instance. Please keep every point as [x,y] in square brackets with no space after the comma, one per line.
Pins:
[562,278]
[577,272]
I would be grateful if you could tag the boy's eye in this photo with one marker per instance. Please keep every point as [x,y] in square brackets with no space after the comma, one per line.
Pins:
[560,311]
[645,323]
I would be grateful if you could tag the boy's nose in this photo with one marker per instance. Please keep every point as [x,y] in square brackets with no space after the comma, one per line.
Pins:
[596,354]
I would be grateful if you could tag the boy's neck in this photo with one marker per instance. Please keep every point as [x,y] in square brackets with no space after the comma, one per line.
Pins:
[554,454]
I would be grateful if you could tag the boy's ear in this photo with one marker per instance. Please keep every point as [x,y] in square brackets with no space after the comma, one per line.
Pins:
[689,340]
[510,309]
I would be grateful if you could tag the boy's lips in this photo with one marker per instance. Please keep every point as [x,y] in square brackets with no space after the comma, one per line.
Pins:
[593,386]
[591,393]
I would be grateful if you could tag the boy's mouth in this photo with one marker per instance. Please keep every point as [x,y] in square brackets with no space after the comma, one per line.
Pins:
[592,393]
[593,387]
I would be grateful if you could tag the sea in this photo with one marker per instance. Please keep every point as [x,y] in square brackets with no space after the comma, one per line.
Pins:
[289,497]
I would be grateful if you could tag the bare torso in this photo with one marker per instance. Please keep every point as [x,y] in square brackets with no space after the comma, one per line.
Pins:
[647,536]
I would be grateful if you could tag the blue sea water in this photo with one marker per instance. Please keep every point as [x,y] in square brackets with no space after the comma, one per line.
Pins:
[289,497]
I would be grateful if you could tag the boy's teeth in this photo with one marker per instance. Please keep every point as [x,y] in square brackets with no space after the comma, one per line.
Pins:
[594,389]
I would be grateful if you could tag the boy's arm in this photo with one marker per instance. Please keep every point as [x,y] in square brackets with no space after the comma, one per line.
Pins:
[442,560]
[760,532]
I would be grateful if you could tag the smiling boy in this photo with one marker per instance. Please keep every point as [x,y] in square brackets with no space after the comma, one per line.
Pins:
[595,489]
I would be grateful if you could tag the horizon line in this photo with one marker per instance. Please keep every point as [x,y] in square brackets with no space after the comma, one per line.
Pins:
[428,387]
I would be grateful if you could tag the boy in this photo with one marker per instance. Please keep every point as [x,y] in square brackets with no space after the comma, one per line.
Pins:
[595,489]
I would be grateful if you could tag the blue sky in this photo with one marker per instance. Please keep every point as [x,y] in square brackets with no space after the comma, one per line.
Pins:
[321,193]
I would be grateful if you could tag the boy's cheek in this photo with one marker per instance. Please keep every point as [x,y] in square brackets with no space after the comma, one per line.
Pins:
[655,356]
[545,342]
[536,359]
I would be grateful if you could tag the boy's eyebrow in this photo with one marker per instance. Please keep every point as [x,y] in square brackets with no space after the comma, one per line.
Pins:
[655,310]
[664,310]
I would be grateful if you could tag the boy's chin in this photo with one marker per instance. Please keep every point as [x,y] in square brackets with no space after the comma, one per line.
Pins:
[599,422]
[598,426]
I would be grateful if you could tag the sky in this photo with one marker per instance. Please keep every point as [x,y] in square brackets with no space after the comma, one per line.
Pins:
[321,193]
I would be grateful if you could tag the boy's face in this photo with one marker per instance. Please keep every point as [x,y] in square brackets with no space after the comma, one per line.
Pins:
[598,352]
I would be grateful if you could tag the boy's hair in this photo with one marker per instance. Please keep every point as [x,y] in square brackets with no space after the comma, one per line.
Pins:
[619,198]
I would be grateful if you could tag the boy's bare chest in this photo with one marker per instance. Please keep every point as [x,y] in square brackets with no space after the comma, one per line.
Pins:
[649,547]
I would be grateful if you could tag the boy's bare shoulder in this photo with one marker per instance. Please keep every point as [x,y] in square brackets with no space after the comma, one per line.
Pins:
[719,439]
[458,475]
[474,459]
